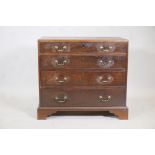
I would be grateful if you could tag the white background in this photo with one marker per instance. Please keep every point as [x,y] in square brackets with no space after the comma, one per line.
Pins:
[75,13]
[19,77]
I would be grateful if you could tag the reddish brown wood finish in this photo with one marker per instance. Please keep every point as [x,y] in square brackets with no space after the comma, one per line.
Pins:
[83,98]
[83,78]
[120,112]
[81,62]
[82,47]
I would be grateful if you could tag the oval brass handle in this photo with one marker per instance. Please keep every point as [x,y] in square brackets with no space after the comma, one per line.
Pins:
[61,98]
[61,62]
[105,48]
[104,99]
[104,79]
[60,49]
[105,62]
[64,80]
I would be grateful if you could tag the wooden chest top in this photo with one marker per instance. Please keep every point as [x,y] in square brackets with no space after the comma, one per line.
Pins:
[82,39]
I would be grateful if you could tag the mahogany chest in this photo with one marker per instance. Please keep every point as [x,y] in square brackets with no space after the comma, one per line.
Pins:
[82,75]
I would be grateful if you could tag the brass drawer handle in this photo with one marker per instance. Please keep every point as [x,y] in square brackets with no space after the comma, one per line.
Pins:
[104,99]
[64,80]
[60,62]
[105,62]
[60,49]
[61,98]
[105,48]
[104,79]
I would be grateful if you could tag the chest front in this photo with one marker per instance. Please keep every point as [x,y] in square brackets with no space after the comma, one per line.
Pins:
[82,75]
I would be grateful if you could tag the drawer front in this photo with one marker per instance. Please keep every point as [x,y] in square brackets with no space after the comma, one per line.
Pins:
[83,98]
[82,78]
[82,47]
[48,62]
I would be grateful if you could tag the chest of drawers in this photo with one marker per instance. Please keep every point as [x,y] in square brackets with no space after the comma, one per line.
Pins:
[82,75]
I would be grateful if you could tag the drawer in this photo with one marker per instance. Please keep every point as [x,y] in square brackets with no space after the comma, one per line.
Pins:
[83,47]
[106,97]
[48,62]
[82,78]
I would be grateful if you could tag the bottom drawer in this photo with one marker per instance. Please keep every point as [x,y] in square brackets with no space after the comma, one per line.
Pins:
[83,97]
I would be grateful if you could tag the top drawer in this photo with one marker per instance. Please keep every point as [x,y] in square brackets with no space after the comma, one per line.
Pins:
[83,47]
